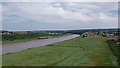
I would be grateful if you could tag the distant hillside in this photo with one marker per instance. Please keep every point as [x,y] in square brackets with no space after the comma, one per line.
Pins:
[90,30]
[68,31]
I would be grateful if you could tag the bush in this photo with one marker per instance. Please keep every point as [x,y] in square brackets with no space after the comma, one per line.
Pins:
[115,48]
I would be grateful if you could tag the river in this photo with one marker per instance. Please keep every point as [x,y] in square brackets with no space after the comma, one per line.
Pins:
[14,47]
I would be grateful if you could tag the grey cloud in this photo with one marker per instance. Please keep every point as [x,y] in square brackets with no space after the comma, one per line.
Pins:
[70,14]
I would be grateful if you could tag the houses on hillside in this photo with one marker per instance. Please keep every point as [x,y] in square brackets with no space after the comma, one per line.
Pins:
[54,33]
[9,33]
[88,34]
[101,34]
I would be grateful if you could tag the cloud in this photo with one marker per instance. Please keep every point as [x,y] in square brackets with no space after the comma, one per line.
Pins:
[69,14]
[0,16]
[60,0]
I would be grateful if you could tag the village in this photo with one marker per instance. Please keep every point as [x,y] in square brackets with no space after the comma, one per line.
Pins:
[107,34]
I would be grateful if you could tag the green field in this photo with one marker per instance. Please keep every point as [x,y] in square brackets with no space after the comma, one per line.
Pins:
[21,40]
[75,52]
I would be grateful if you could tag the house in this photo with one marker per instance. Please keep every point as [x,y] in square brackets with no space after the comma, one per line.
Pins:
[6,33]
[110,35]
[54,33]
[88,34]
[20,32]
[45,37]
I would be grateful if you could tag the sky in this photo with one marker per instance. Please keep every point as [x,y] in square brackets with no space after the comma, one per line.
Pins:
[58,15]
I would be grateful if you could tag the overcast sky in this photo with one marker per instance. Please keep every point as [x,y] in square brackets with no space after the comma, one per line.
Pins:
[59,15]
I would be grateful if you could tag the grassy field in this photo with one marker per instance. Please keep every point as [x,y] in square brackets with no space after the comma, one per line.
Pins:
[74,52]
[15,41]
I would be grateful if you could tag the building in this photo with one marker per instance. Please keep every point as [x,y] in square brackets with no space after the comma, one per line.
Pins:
[110,35]
[88,34]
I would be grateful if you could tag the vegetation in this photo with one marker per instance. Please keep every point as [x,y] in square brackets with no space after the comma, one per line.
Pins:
[25,37]
[92,30]
[88,51]
[115,48]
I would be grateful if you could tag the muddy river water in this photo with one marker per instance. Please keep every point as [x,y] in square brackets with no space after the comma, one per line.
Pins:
[14,47]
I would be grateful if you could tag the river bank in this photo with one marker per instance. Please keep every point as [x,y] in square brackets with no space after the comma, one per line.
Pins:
[14,47]
[89,51]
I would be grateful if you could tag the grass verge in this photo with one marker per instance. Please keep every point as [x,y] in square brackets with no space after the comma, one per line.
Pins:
[75,52]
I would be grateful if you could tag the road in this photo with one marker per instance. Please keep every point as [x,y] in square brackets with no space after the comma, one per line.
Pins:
[14,47]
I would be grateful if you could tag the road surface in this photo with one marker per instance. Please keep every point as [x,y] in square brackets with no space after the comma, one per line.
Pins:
[14,47]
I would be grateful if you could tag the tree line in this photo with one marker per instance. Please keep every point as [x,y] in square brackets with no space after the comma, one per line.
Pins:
[115,48]
[15,36]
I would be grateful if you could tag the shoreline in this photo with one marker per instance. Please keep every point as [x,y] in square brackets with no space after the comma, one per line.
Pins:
[14,47]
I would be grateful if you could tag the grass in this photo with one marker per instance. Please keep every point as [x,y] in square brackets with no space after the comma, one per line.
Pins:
[115,48]
[20,40]
[75,52]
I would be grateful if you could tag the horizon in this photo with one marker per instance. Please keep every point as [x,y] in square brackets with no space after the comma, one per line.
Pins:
[60,30]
